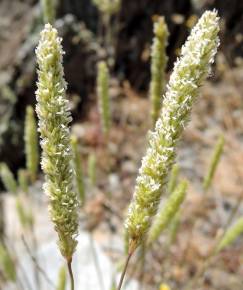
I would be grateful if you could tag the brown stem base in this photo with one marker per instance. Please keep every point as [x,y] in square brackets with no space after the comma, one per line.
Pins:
[132,248]
[70,271]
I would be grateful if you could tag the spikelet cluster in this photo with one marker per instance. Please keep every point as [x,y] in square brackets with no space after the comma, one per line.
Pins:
[158,66]
[173,178]
[49,10]
[78,170]
[189,72]
[26,218]
[231,235]
[7,178]
[173,227]
[54,119]
[167,212]
[218,150]
[108,6]
[7,265]
[103,96]
[31,143]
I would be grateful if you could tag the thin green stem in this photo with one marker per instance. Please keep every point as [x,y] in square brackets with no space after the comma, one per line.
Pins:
[70,271]
[132,247]
[124,271]
[135,269]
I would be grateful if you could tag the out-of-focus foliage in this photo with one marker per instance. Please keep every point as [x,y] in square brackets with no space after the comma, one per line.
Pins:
[78,170]
[108,6]
[7,264]
[7,178]
[7,101]
[218,150]
[31,143]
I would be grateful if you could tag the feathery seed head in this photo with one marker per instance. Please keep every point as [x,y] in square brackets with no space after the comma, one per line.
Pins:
[167,212]
[48,10]
[54,118]
[78,170]
[173,227]
[158,65]
[189,72]
[218,150]
[26,218]
[173,178]
[103,95]
[231,235]
[161,29]
[31,143]
[108,6]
